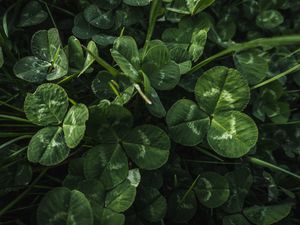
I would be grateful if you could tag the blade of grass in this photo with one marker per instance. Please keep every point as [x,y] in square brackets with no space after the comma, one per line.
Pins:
[155,7]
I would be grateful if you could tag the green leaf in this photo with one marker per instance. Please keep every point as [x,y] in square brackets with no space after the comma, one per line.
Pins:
[93,190]
[98,18]
[182,209]
[221,89]
[197,44]
[49,61]
[48,147]
[92,47]
[212,189]
[32,14]
[137,2]
[252,64]
[1,57]
[74,124]
[47,105]
[269,19]
[187,123]
[163,73]
[82,29]
[108,163]
[150,205]
[267,215]
[232,134]
[121,197]
[125,53]
[62,206]
[240,181]
[156,108]
[107,216]
[196,6]
[75,53]
[148,146]
[236,219]
[103,40]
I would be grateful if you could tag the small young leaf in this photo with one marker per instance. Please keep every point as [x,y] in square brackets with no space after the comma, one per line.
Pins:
[269,19]
[74,124]
[196,6]
[62,206]
[48,147]
[232,134]
[197,44]
[75,53]
[47,105]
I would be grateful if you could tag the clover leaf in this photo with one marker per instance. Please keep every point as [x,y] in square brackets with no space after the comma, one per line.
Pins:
[49,61]
[47,105]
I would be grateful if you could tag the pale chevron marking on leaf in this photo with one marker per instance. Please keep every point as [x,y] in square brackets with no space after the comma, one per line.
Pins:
[211,92]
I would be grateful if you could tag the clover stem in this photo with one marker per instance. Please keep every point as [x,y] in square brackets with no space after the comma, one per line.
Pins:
[271,166]
[261,42]
[14,140]
[72,101]
[155,7]
[6,49]
[102,62]
[17,199]
[138,88]
[189,190]
[7,117]
[278,76]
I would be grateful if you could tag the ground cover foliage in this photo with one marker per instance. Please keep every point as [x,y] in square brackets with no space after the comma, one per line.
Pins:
[149,112]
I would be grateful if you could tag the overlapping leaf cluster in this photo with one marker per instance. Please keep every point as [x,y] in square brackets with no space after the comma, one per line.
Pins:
[148,112]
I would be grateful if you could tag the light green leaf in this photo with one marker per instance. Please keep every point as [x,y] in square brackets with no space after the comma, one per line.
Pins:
[46,45]
[267,215]
[196,6]
[134,177]
[48,147]
[252,64]
[137,2]
[108,163]
[148,146]
[236,219]
[221,89]
[75,53]
[156,52]
[74,124]
[187,123]
[92,47]
[212,189]
[121,197]
[98,18]
[32,14]
[32,69]
[269,19]
[47,105]
[181,209]
[197,44]
[126,55]
[232,134]
[61,206]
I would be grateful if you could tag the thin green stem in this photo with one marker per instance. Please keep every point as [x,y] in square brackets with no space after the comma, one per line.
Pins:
[102,62]
[72,101]
[50,14]
[212,162]
[261,42]
[271,166]
[189,190]
[206,152]
[14,118]
[18,198]
[14,140]
[155,7]
[278,76]
[11,106]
